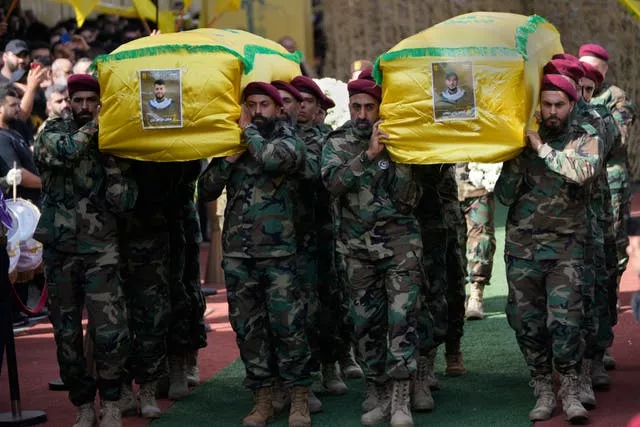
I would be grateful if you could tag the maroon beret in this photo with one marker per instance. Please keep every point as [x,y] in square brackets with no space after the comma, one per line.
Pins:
[593,49]
[326,103]
[559,82]
[282,85]
[592,73]
[564,56]
[565,67]
[307,85]
[365,84]
[82,82]
[262,88]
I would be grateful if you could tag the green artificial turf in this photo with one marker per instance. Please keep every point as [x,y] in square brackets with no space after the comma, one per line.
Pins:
[493,393]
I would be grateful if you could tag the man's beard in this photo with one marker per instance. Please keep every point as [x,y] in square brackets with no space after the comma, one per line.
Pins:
[12,66]
[363,128]
[82,118]
[159,99]
[265,125]
[452,91]
[554,125]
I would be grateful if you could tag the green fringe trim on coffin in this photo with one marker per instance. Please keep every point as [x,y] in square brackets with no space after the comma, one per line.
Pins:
[247,58]
[441,52]
[523,31]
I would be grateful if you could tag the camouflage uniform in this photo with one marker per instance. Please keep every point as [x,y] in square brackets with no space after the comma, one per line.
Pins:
[83,192]
[545,245]
[145,243]
[266,305]
[601,261]
[456,261]
[624,112]
[479,207]
[328,337]
[442,228]
[433,314]
[186,326]
[380,250]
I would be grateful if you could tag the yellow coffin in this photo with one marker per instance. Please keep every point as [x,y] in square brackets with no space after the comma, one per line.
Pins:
[176,97]
[466,89]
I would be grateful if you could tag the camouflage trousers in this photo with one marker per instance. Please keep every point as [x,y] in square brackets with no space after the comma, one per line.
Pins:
[145,255]
[330,331]
[267,313]
[456,279]
[433,314]
[186,325]
[93,281]
[384,306]
[544,308]
[618,178]
[597,327]
[481,241]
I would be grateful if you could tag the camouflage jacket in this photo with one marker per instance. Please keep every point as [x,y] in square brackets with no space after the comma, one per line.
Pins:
[601,119]
[624,112]
[466,189]
[83,189]
[376,198]
[547,194]
[261,191]
[308,187]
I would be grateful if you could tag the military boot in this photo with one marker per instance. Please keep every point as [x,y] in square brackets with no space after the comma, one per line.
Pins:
[280,397]
[111,416]
[381,412]
[432,380]
[600,379]
[178,387]
[262,410]
[455,367]
[401,404]
[299,414]
[349,367]
[147,396]
[609,361]
[475,304]
[86,416]
[545,398]
[370,398]
[315,404]
[573,410]
[331,379]
[421,399]
[127,403]
[586,395]
[193,373]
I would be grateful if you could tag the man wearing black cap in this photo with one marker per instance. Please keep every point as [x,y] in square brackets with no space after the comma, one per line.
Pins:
[266,308]
[16,55]
[84,190]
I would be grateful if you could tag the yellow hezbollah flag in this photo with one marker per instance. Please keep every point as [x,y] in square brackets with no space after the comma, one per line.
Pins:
[176,97]
[466,89]
[82,9]
[633,6]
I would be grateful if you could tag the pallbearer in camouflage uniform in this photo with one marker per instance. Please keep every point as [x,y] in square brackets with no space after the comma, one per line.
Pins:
[84,191]
[479,206]
[546,190]
[624,112]
[266,306]
[378,241]
[186,333]
[456,271]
